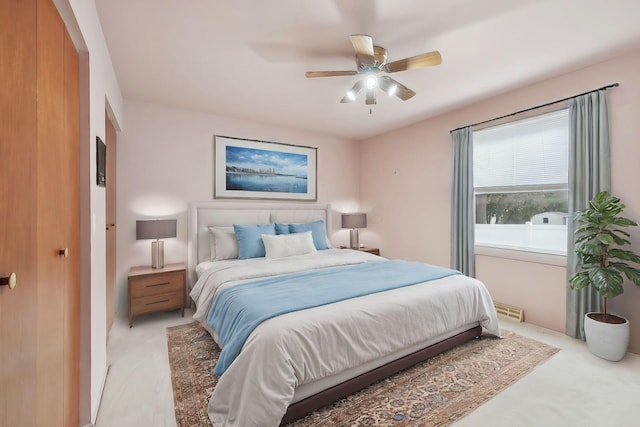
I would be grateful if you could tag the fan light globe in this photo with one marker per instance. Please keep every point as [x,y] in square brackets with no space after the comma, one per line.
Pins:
[371,82]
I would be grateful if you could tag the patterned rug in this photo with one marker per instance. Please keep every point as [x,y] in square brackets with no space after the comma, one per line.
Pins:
[435,392]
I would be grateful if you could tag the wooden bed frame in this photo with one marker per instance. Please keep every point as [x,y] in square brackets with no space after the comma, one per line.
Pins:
[225,213]
[303,407]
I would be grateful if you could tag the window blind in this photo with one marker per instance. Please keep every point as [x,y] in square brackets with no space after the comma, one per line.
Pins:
[522,154]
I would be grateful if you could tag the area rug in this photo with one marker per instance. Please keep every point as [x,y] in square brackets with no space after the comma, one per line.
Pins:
[435,392]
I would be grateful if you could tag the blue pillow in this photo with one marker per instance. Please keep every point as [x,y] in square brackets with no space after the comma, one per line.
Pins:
[249,238]
[317,232]
[282,228]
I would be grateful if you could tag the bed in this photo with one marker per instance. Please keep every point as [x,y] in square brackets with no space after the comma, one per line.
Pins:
[301,360]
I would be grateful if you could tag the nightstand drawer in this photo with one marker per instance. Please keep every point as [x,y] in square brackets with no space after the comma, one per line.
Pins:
[156,289]
[150,304]
[156,284]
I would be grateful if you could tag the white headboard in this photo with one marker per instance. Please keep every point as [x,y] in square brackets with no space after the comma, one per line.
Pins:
[224,213]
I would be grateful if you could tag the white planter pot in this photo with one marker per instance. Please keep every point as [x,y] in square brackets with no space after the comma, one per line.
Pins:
[606,340]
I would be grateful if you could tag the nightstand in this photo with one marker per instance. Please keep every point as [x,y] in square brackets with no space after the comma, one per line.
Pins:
[375,251]
[156,289]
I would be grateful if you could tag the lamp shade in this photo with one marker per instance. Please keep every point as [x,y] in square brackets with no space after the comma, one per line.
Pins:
[155,228]
[354,220]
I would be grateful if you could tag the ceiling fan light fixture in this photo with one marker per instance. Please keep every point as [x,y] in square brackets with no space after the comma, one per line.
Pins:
[370,61]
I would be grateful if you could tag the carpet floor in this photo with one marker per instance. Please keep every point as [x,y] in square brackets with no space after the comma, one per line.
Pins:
[435,392]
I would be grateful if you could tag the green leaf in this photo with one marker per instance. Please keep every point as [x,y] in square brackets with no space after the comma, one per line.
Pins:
[624,255]
[632,274]
[588,261]
[608,282]
[593,248]
[606,238]
[619,231]
[620,241]
[624,222]
[579,280]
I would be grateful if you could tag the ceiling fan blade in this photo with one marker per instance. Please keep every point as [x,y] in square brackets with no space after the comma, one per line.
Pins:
[329,73]
[418,61]
[363,45]
[353,93]
[371,96]
[392,87]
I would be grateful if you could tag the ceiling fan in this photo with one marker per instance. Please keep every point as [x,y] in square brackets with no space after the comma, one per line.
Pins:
[371,60]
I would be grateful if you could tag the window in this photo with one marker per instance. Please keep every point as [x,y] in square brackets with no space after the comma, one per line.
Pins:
[520,184]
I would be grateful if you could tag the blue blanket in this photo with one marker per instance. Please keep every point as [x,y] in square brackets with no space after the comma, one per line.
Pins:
[238,310]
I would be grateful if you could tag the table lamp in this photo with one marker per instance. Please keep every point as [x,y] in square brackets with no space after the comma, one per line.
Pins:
[156,229]
[354,221]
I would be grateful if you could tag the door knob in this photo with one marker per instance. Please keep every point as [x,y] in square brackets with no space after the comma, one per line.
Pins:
[10,281]
[64,252]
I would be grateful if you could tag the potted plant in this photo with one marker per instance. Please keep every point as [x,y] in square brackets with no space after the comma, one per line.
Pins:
[604,264]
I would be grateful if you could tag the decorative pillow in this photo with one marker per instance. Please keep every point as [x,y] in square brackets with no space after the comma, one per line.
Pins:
[224,244]
[282,228]
[285,245]
[212,245]
[249,239]
[317,230]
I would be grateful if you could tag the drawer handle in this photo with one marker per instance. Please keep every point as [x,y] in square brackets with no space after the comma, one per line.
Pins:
[158,302]
[159,284]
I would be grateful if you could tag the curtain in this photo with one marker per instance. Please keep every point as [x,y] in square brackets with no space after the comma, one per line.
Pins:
[462,218]
[589,173]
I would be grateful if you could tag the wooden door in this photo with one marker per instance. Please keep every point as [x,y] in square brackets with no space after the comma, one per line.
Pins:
[18,327]
[39,216]
[57,221]
[70,199]
[111,138]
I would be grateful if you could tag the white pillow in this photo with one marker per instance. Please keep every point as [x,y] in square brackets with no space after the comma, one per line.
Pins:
[224,244]
[284,245]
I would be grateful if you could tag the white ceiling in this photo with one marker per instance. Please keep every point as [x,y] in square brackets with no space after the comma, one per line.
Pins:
[247,58]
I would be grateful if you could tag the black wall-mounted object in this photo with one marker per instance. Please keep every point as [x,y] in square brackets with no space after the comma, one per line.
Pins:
[101,162]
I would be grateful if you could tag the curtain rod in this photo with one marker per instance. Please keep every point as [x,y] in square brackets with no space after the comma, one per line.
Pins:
[536,107]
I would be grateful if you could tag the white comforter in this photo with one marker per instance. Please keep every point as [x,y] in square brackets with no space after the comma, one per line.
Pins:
[302,347]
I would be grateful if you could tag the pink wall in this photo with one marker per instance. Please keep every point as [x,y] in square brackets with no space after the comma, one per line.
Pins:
[165,162]
[406,185]
[533,283]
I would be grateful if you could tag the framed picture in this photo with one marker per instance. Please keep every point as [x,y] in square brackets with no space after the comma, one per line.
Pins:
[251,169]
[101,162]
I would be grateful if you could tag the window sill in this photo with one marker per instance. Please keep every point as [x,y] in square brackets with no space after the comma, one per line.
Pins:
[523,254]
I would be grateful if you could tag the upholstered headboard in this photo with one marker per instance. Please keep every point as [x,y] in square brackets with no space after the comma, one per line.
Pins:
[223,213]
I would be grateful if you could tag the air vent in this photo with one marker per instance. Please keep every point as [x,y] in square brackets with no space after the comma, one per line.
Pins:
[510,312]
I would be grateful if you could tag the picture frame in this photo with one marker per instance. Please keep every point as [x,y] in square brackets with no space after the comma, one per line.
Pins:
[254,169]
[101,162]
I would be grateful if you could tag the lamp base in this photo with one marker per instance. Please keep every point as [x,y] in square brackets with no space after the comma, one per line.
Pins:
[157,254]
[353,239]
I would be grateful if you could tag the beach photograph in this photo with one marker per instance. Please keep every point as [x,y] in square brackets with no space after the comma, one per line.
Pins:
[251,169]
